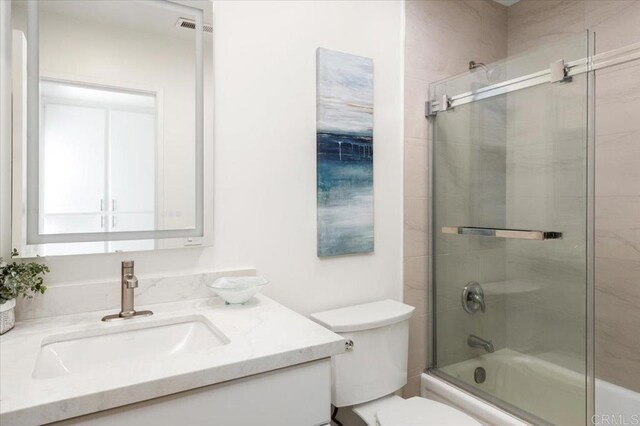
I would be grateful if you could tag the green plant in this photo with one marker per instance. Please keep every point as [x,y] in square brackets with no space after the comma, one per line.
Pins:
[21,278]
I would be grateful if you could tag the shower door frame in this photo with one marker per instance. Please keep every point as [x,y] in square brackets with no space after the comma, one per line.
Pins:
[558,71]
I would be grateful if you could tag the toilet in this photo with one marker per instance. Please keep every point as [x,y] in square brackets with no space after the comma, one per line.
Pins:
[374,367]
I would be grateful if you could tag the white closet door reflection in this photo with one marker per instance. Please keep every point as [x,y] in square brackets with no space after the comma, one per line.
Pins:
[98,154]
[132,148]
[73,168]
[132,158]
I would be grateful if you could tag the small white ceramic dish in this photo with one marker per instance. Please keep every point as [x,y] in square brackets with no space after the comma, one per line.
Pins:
[237,290]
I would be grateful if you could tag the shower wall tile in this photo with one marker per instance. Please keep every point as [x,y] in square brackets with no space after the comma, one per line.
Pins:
[416,174]
[415,227]
[618,99]
[615,22]
[543,169]
[565,214]
[617,319]
[418,332]
[534,330]
[618,228]
[448,50]
[463,17]
[533,23]
[441,38]
[618,163]
[415,284]
[415,96]
[617,232]
[494,30]
[557,283]
[412,388]
[493,264]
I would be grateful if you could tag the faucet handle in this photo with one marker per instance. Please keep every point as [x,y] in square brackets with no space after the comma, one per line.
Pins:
[131,282]
[473,298]
[479,299]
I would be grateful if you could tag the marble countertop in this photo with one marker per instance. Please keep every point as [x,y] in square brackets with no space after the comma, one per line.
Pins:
[263,335]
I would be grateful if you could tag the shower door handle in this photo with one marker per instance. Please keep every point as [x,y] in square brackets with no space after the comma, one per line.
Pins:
[520,234]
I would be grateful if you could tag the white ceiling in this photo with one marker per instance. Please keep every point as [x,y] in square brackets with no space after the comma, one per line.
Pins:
[507,2]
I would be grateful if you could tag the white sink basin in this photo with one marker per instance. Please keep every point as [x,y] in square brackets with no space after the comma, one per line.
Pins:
[120,344]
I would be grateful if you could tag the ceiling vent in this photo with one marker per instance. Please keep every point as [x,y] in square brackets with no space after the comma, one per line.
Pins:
[191,25]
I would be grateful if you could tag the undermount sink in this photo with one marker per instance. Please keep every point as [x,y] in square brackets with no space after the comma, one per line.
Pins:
[118,345]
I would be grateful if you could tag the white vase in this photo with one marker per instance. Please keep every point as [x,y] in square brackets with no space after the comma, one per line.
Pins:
[7,315]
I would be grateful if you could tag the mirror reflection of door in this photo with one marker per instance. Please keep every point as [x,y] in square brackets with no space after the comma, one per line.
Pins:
[121,108]
[98,171]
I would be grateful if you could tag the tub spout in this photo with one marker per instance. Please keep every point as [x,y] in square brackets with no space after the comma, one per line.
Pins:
[478,342]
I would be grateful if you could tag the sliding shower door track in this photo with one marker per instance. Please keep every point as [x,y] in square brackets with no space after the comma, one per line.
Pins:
[567,70]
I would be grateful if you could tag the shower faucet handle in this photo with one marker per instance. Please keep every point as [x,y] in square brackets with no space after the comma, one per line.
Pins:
[477,298]
[473,298]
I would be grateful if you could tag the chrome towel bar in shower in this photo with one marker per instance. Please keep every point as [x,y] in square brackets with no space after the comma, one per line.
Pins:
[520,234]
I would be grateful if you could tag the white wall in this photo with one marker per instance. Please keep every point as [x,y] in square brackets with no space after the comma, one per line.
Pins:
[265,206]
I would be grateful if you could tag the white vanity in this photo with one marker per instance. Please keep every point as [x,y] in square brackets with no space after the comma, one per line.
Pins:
[208,364]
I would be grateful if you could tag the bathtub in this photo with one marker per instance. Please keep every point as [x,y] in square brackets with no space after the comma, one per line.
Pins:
[523,381]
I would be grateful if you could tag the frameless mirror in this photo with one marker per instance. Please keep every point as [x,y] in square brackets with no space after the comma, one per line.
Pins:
[109,107]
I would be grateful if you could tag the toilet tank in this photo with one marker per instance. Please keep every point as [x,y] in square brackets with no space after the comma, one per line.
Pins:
[376,364]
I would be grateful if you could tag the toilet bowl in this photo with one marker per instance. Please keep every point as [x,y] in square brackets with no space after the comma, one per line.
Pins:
[374,367]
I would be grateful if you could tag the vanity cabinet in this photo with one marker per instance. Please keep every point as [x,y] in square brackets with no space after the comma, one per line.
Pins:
[299,395]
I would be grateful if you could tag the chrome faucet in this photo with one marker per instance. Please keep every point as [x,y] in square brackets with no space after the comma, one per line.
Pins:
[129,282]
[478,342]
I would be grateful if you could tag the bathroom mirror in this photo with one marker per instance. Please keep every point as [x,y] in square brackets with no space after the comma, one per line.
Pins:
[109,118]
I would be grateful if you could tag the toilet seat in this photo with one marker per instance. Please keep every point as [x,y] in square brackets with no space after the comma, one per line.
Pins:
[419,411]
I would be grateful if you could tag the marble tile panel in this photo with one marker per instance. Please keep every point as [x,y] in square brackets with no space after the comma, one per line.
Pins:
[416,172]
[415,227]
[437,48]
[412,388]
[418,333]
[547,169]
[618,163]
[561,214]
[415,96]
[494,30]
[533,23]
[416,291]
[618,321]
[535,329]
[615,22]
[618,101]
[617,230]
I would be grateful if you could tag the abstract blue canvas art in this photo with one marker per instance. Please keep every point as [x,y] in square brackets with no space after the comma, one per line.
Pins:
[344,143]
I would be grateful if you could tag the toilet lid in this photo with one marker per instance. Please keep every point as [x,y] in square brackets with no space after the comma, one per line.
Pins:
[418,411]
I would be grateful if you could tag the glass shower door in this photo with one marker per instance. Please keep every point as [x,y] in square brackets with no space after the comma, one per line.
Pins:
[510,235]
